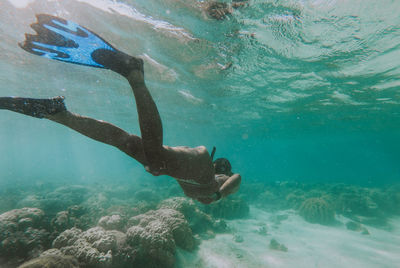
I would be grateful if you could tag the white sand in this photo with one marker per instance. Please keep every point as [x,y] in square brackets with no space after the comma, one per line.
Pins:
[309,245]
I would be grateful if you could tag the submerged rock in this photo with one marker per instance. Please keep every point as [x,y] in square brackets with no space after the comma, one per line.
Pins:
[238,238]
[262,230]
[277,246]
[278,218]
[220,226]
[364,231]
[317,210]
[355,226]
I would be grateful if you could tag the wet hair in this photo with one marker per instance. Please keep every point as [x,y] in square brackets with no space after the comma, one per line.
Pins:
[222,166]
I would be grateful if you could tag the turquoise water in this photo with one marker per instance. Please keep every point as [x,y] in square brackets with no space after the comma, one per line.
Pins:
[311,93]
[290,91]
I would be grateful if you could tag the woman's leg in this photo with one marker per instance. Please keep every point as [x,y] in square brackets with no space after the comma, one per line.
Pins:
[149,118]
[103,132]
[55,110]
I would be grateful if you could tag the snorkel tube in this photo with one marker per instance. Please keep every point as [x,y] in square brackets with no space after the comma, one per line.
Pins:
[213,153]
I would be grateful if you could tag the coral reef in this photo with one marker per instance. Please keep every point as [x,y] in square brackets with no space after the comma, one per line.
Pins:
[147,195]
[295,199]
[9,198]
[57,200]
[112,222]
[74,216]
[135,228]
[154,243]
[390,200]
[174,222]
[150,240]
[357,204]
[278,195]
[23,233]
[366,205]
[228,208]
[155,234]
[270,200]
[95,247]
[108,204]
[317,210]
[199,221]
[51,261]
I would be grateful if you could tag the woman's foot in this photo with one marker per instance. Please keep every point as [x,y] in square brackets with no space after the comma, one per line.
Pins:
[118,61]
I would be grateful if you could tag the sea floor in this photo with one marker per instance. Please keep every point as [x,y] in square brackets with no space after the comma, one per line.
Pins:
[265,226]
[308,245]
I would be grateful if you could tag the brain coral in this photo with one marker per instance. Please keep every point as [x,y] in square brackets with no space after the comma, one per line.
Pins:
[317,210]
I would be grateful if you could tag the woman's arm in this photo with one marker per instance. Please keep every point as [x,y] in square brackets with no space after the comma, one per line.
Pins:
[231,185]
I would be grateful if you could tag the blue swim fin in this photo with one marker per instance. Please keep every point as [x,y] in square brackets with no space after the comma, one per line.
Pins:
[66,41]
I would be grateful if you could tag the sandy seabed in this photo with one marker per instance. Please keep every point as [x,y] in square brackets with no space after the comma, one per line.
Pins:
[309,245]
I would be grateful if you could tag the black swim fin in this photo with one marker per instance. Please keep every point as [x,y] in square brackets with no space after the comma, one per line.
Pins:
[38,108]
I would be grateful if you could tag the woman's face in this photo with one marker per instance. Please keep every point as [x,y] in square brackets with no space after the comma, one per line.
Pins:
[222,166]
